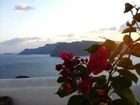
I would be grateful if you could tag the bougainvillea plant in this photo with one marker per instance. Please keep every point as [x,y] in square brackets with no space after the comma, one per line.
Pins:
[84,78]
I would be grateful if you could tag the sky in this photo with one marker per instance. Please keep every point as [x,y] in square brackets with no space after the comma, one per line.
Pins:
[32,23]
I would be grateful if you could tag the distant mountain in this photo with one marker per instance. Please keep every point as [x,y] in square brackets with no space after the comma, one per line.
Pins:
[77,48]
[47,49]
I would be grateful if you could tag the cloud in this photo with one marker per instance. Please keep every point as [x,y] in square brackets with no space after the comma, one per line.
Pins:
[111,29]
[16,45]
[68,37]
[16,41]
[23,7]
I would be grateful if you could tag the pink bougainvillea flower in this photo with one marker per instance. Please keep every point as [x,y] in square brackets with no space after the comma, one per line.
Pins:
[64,73]
[108,66]
[75,62]
[86,84]
[98,60]
[69,87]
[101,92]
[66,56]
[67,74]
[71,63]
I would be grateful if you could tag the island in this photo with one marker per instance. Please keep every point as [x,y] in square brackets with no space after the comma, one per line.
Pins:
[77,48]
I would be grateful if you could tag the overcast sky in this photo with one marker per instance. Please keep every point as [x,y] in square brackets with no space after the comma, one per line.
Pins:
[60,20]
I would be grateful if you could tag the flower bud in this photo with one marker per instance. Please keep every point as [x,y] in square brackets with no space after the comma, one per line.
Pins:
[58,67]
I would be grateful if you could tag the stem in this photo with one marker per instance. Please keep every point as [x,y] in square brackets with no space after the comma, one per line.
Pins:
[129,54]
[122,54]
[113,66]
[111,93]
[136,40]
[128,48]
[138,33]
[137,26]
[114,71]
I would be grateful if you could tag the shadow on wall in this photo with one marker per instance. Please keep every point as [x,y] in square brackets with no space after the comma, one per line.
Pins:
[5,100]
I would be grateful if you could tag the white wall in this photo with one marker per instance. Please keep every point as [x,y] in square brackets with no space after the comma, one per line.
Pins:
[32,91]
[37,91]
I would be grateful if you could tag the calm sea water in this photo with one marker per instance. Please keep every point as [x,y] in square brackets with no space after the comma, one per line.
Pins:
[28,65]
[31,65]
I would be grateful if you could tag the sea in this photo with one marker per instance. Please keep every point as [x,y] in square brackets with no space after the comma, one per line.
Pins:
[13,65]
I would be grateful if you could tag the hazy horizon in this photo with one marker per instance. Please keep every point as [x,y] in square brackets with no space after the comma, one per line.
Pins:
[16,45]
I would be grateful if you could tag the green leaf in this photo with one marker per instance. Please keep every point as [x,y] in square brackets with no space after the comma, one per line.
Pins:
[116,52]
[61,79]
[127,95]
[94,96]
[129,29]
[137,68]
[133,22]
[137,17]
[93,93]
[111,45]
[126,63]
[100,85]
[93,48]
[128,24]
[118,102]
[78,100]
[129,75]
[101,78]
[80,71]
[127,39]
[120,82]
[62,91]
[138,103]
[100,82]
[128,7]
[135,50]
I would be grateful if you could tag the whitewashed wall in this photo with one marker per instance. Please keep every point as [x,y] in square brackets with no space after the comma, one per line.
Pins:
[37,91]
[32,91]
